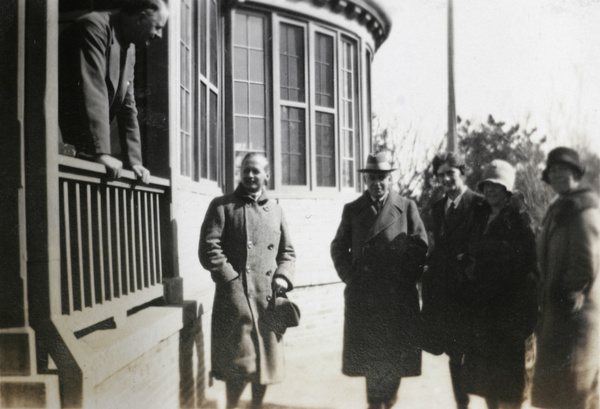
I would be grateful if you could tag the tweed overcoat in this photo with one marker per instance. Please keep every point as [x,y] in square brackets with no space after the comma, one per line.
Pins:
[443,307]
[501,300]
[95,86]
[373,255]
[245,244]
[567,333]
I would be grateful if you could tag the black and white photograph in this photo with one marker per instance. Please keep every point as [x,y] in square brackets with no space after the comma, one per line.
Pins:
[300,204]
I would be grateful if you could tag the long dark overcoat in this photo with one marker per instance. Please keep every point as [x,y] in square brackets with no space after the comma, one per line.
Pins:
[373,255]
[443,282]
[566,367]
[245,244]
[500,294]
[96,86]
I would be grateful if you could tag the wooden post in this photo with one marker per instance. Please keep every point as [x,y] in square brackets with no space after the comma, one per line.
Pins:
[452,145]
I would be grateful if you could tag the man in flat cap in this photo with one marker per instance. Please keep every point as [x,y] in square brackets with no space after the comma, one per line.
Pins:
[378,253]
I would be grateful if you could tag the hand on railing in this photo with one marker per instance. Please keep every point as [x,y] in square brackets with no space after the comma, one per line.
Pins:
[142,173]
[113,165]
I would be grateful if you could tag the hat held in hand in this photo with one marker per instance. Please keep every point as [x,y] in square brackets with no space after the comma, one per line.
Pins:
[281,313]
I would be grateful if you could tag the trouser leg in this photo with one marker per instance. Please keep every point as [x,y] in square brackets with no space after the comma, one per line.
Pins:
[382,390]
[456,374]
[234,388]
[258,395]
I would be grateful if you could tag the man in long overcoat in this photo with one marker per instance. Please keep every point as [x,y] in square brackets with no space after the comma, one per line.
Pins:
[246,246]
[378,253]
[96,66]
[443,309]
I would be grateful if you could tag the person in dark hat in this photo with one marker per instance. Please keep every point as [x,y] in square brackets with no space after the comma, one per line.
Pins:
[245,244]
[567,332]
[443,306]
[378,252]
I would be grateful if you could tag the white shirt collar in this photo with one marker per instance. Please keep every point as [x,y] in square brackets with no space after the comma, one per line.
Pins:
[456,200]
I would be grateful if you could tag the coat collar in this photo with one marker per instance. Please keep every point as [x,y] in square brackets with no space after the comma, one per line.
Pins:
[391,211]
[241,193]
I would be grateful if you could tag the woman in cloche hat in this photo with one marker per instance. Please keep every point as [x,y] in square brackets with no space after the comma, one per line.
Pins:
[499,291]
[567,332]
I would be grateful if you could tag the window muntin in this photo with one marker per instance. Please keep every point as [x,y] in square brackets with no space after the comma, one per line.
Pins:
[293,104]
[250,87]
[313,96]
[291,62]
[348,97]
[324,70]
[199,124]
[293,146]
[186,44]
[324,109]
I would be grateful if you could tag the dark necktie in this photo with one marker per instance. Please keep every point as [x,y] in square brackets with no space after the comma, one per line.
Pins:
[450,212]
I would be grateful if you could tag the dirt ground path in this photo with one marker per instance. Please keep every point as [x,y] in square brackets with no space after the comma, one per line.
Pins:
[314,381]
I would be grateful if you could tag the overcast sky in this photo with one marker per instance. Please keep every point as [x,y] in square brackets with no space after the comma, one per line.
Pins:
[514,59]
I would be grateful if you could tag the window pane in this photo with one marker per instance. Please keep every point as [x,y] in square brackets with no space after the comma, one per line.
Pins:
[348,136]
[214,136]
[242,132]
[257,135]
[325,149]
[256,32]
[188,158]
[240,66]
[250,92]
[257,100]
[257,66]
[241,98]
[369,113]
[203,133]
[214,37]
[291,51]
[240,29]
[324,70]
[293,146]
[203,35]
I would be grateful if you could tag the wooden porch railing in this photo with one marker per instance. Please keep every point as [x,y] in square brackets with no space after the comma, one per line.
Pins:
[111,242]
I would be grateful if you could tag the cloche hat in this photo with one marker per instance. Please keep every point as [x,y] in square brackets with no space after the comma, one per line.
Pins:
[499,172]
[566,156]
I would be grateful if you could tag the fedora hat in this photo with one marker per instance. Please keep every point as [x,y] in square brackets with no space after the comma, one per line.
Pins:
[565,156]
[281,313]
[378,163]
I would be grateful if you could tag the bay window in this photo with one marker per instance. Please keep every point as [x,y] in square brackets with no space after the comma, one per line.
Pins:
[296,99]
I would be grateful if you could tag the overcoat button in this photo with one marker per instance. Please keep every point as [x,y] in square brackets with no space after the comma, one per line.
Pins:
[266,208]
[269,272]
[249,244]
[270,246]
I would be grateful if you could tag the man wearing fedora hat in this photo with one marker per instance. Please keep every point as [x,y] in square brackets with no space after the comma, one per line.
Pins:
[378,252]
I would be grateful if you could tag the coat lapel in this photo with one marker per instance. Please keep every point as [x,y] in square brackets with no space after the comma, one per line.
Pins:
[389,214]
[114,60]
[460,211]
